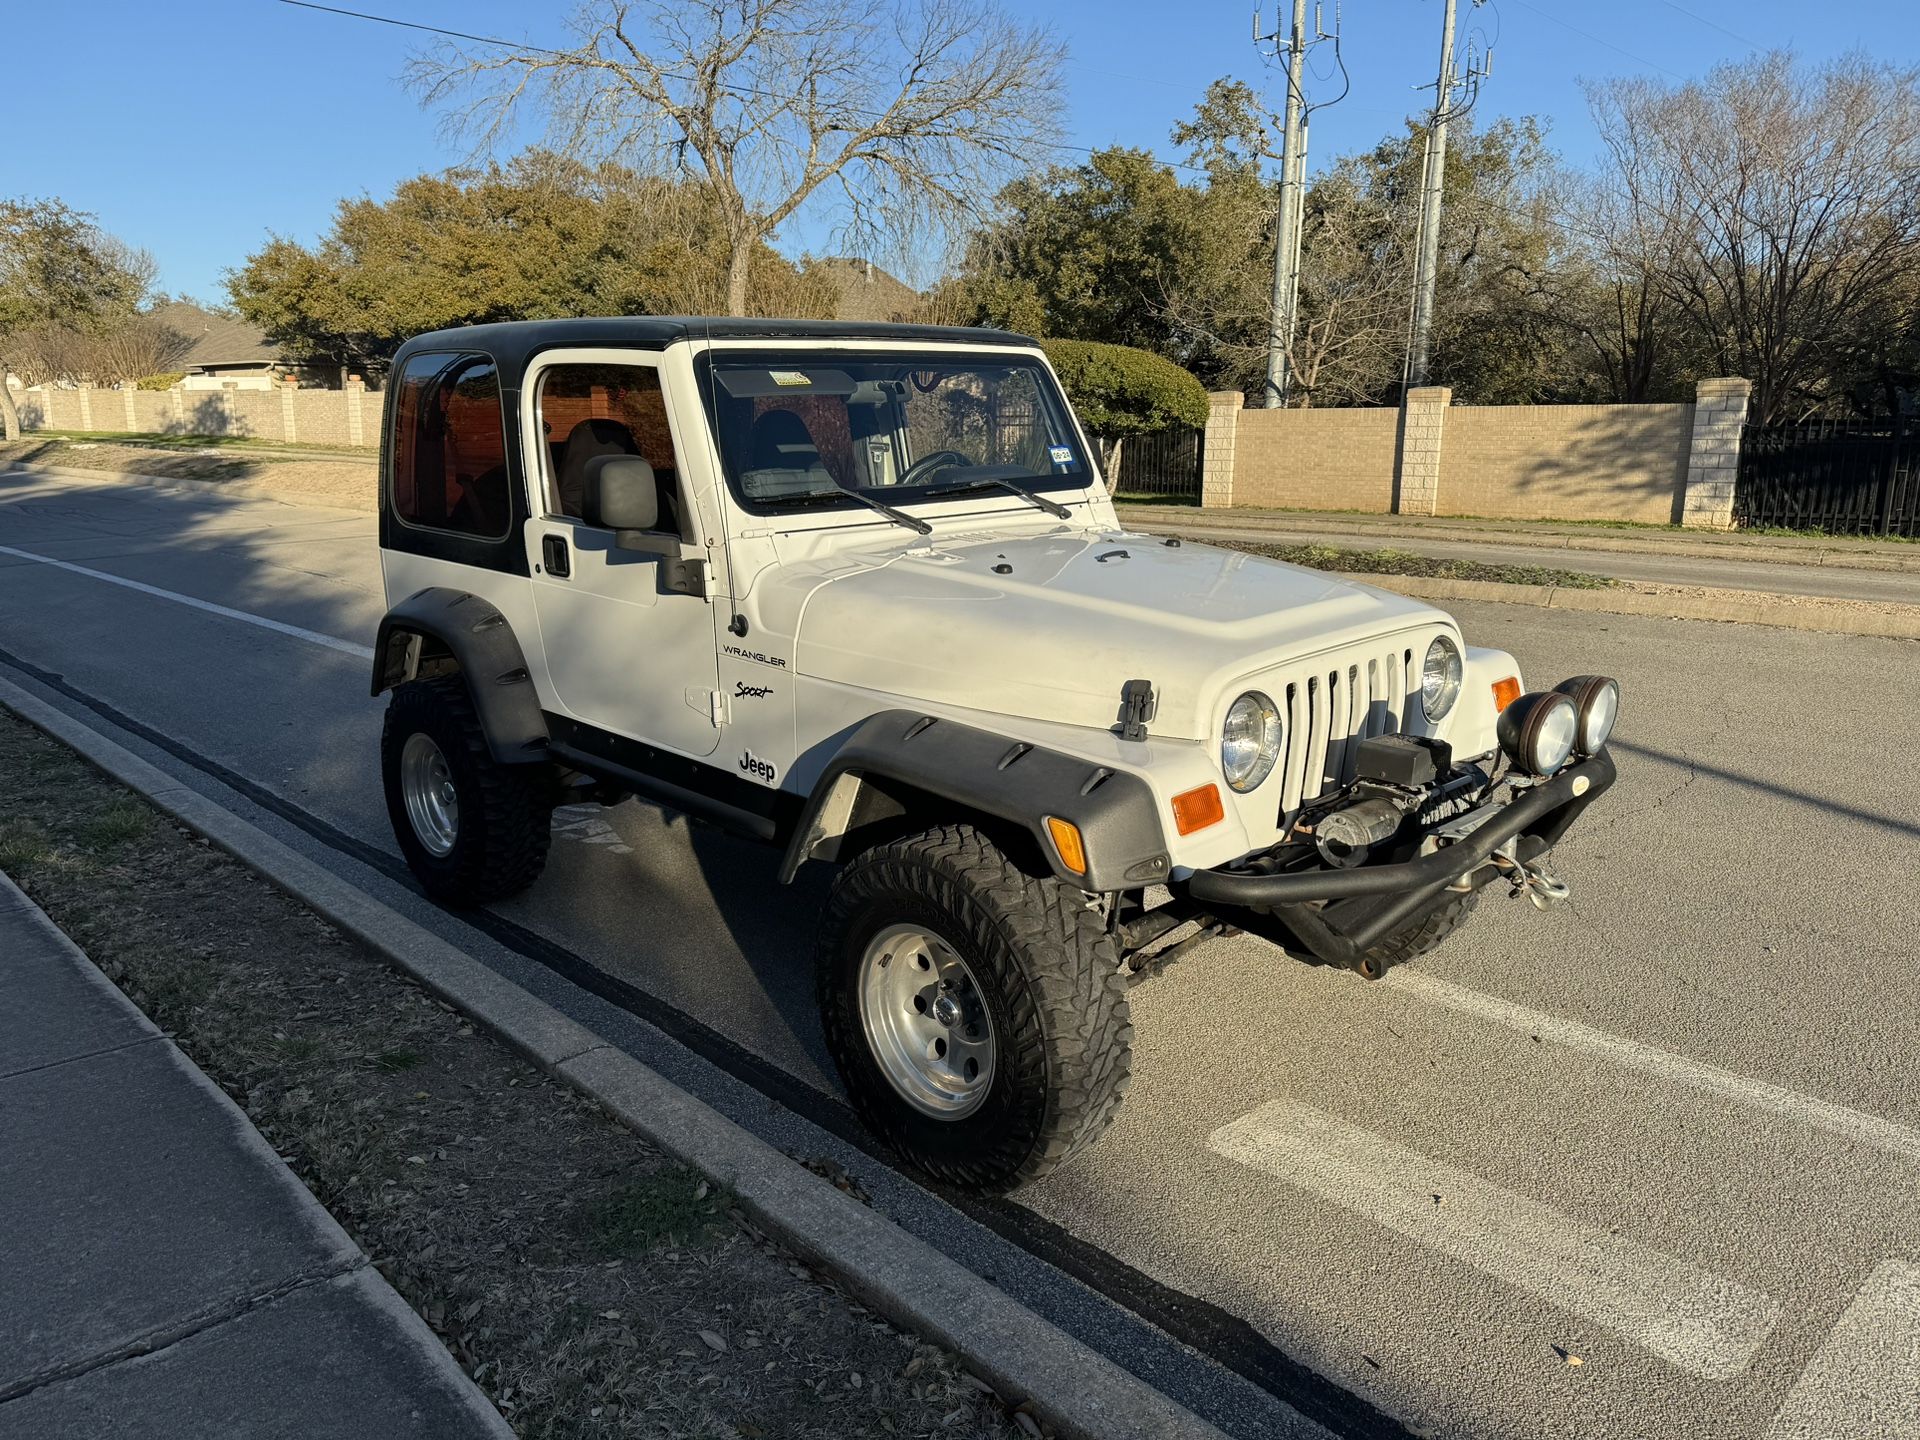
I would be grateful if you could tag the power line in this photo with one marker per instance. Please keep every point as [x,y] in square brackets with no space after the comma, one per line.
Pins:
[742,90]
[1713,25]
[1589,35]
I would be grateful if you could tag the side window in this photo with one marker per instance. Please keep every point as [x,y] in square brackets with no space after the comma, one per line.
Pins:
[592,410]
[449,446]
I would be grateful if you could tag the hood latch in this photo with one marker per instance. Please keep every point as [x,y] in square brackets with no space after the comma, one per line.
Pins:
[1137,707]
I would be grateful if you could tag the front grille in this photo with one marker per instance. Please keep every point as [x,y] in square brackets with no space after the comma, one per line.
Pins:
[1361,695]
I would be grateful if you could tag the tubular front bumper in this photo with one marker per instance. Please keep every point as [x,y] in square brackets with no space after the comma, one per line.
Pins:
[1340,914]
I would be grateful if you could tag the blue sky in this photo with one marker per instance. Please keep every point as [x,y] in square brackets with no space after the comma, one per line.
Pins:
[197,128]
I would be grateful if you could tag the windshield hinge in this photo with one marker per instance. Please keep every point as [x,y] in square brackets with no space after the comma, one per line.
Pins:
[1137,707]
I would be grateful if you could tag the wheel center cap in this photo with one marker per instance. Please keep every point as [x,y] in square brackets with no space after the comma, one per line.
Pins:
[946,1010]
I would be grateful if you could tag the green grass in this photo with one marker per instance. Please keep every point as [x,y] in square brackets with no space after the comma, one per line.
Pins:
[22,845]
[121,823]
[1405,562]
[393,1062]
[672,1206]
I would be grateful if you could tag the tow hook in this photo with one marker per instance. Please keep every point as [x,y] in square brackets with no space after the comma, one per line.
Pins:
[1532,879]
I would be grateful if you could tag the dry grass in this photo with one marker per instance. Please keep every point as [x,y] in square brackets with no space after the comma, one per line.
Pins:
[590,1285]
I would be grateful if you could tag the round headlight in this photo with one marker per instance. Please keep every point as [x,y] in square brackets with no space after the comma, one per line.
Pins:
[1440,677]
[1537,731]
[1596,700]
[1250,741]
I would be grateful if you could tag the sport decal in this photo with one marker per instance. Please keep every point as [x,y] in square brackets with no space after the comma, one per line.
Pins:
[744,691]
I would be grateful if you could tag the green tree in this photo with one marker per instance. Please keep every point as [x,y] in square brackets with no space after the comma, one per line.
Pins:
[1119,391]
[537,238]
[63,280]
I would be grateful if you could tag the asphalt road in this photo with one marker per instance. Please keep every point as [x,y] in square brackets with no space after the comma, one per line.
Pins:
[1648,1165]
[1731,573]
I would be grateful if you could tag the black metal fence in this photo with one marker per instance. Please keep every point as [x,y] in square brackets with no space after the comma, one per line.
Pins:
[1846,477]
[1166,462]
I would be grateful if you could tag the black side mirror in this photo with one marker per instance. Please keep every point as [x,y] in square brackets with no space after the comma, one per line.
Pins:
[621,493]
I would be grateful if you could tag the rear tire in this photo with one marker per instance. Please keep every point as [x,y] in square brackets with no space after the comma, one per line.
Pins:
[476,830]
[1044,1009]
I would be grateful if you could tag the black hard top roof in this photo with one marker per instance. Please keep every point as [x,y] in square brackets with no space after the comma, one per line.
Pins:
[512,342]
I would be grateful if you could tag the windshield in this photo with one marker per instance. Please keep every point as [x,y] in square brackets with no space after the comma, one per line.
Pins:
[802,431]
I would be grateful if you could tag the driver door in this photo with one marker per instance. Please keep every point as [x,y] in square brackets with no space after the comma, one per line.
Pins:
[626,652]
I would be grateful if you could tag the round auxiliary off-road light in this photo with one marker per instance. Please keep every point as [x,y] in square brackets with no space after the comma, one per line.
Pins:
[1537,731]
[1596,700]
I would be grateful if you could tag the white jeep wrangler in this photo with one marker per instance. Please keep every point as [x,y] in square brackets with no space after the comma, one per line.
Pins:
[858,592]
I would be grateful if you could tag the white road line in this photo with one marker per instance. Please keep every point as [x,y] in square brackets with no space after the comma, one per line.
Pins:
[312,637]
[1889,1136]
[1702,1323]
[1864,1384]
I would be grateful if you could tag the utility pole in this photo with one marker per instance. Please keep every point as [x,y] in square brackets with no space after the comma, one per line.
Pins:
[1293,184]
[1453,96]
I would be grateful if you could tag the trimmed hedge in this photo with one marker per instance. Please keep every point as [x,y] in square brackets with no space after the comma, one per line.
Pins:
[1118,390]
[166,380]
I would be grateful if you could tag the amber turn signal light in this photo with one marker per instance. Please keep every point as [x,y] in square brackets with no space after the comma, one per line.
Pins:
[1196,809]
[1505,692]
[1066,839]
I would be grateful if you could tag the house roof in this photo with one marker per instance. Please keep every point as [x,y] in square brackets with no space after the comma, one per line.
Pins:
[218,340]
[867,292]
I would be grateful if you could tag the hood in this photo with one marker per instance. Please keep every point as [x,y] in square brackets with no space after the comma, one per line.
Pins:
[1050,626]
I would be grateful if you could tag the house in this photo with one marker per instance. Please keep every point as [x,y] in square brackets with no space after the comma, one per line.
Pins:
[869,293]
[224,350]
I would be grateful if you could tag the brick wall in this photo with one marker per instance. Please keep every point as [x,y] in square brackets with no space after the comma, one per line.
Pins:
[1314,459]
[307,417]
[1645,464]
[1565,462]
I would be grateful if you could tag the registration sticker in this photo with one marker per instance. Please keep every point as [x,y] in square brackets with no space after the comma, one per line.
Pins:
[790,377]
[1062,456]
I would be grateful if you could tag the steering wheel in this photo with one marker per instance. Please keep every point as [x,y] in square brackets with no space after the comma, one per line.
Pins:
[923,468]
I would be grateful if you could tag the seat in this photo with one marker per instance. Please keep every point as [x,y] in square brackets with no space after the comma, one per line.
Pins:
[585,441]
[783,460]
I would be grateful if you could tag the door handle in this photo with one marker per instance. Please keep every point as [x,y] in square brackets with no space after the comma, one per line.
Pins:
[553,553]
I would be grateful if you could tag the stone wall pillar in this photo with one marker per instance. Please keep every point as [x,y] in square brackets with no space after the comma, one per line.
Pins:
[1713,459]
[1216,447]
[133,415]
[177,404]
[1423,418]
[85,392]
[355,392]
[289,429]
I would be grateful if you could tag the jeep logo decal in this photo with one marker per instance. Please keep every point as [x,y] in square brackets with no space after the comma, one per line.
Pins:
[739,653]
[744,691]
[752,764]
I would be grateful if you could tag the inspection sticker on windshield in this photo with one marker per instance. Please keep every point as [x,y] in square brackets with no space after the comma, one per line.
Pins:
[790,377]
[1062,455]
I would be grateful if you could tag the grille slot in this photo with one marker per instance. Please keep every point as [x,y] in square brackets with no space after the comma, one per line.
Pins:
[1327,711]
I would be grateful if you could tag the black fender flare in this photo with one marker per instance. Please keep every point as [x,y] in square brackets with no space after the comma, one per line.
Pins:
[996,775]
[481,642]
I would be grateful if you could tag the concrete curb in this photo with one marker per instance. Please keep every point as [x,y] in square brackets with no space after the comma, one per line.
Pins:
[1759,551]
[1745,607]
[1077,1391]
[252,489]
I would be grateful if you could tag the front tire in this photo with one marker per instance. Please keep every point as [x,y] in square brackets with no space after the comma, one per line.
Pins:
[976,1013]
[472,830]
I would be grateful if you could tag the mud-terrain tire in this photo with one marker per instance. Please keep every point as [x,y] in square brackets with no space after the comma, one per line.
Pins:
[1421,937]
[497,843]
[1044,971]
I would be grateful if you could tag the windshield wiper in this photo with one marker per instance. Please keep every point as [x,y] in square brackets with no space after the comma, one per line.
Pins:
[827,497]
[996,482]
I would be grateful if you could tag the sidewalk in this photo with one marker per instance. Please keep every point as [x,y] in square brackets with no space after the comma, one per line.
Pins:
[165,1274]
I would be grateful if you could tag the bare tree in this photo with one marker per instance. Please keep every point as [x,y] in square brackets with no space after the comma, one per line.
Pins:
[908,115]
[1776,208]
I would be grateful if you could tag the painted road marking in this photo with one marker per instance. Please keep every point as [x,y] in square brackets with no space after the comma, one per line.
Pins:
[312,637]
[1857,1125]
[1702,1323]
[1864,1384]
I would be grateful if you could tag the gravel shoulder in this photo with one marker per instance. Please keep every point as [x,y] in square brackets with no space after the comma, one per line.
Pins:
[589,1284]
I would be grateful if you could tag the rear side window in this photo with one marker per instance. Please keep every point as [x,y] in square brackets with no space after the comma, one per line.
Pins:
[450,446]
